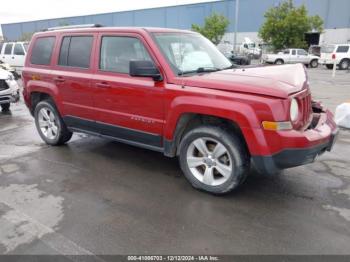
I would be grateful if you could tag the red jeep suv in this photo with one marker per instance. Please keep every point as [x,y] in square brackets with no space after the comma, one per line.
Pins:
[172,91]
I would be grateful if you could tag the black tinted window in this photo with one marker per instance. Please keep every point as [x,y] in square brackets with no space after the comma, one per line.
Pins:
[8,49]
[42,51]
[116,53]
[76,51]
[18,50]
[343,49]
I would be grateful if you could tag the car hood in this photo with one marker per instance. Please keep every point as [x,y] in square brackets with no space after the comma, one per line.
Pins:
[277,81]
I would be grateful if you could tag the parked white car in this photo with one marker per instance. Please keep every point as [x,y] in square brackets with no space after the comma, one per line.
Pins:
[291,56]
[9,90]
[339,53]
[13,53]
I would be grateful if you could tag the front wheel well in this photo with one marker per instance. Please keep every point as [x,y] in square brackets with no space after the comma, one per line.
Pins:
[189,121]
[35,98]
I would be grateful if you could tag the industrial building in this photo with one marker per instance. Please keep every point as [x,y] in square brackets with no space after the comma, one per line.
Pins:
[335,13]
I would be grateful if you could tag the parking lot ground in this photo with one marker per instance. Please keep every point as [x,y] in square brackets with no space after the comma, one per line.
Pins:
[94,196]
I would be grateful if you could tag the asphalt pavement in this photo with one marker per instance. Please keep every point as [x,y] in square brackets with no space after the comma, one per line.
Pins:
[95,196]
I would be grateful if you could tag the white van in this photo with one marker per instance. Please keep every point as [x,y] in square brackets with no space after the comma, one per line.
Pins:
[339,53]
[13,53]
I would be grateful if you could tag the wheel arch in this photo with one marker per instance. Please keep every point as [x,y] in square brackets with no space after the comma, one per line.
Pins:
[188,121]
[38,91]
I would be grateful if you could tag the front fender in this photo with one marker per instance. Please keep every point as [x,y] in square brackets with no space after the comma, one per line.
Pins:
[241,113]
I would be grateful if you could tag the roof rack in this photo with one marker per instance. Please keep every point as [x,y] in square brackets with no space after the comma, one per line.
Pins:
[72,27]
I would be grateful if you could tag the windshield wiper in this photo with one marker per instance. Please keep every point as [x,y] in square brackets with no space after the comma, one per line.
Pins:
[199,70]
[229,67]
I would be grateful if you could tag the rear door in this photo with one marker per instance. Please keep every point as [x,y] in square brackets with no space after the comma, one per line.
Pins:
[72,75]
[293,57]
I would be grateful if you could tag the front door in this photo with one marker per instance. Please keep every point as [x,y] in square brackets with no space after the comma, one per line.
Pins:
[18,56]
[130,108]
[6,55]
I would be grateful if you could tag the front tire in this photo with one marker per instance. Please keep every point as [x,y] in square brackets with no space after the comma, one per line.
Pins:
[213,159]
[5,107]
[50,125]
[279,62]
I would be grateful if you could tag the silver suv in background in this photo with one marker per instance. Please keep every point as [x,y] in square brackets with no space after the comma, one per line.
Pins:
[291,56]
[340,54]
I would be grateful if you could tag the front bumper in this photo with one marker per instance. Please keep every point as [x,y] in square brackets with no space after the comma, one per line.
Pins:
[317,139]
[10,95]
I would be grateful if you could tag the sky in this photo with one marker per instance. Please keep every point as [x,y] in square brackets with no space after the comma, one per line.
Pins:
[27,10]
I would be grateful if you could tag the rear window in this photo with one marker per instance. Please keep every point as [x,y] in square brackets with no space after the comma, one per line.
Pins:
[342,49]
[8,49]
[42,51]
[327,49]
[76,51]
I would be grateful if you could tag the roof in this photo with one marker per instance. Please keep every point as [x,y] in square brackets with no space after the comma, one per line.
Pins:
[117,29]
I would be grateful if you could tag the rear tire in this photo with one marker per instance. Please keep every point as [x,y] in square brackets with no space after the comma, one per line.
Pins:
[344,64]
[314,63]
[213,159]
[279,62]
[50,125]
[5,107]
[329,66]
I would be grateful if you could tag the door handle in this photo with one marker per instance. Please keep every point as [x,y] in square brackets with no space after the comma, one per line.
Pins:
[59,79]
[13,57]
[103,85]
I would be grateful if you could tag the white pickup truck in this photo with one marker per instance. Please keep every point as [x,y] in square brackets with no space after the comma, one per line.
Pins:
[291,56]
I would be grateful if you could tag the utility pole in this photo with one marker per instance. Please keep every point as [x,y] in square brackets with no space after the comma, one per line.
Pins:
[236,25]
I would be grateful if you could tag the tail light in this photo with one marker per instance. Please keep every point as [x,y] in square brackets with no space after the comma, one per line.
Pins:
[333,56]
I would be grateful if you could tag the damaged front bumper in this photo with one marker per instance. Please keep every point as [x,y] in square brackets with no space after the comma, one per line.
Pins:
[317,139]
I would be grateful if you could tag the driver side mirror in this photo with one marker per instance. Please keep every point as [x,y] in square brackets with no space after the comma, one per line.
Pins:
[144,68]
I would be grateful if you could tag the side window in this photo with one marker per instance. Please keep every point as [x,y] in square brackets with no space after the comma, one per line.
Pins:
[293,52]
[286,52]
[302,52]
[1,45]
[18,50]
[342,49]
[117,52]
[8,49]
[42,50]
[76,51]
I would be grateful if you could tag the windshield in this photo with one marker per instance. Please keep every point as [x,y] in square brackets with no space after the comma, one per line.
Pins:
[190,53]
[327,49]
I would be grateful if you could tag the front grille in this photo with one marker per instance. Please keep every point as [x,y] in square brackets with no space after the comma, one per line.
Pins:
[305,109]
[3,85]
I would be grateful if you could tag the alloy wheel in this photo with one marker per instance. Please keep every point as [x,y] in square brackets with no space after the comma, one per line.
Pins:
[209,161]
[48,123]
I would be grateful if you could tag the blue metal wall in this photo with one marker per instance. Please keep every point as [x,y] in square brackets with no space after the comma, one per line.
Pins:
[336,14]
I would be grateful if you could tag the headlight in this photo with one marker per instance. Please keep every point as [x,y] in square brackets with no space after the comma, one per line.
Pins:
[294,110]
